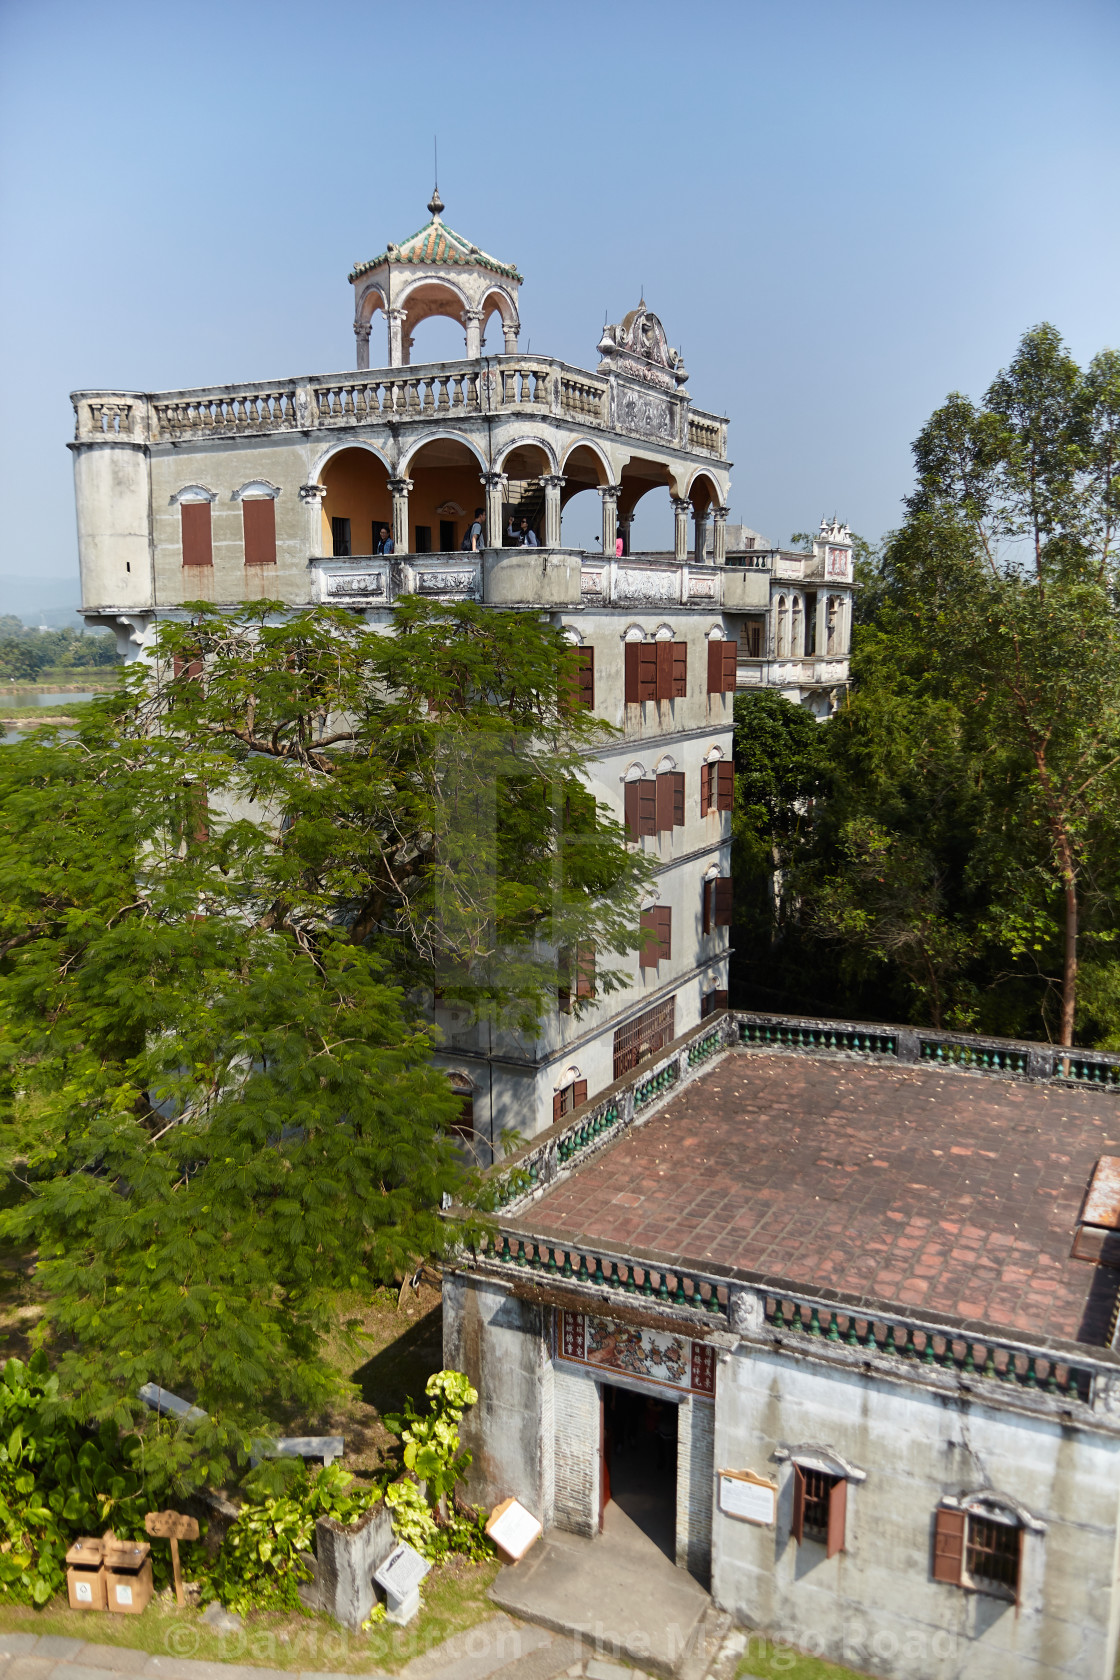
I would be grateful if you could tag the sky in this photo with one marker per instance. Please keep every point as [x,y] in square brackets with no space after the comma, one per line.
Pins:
[841,210]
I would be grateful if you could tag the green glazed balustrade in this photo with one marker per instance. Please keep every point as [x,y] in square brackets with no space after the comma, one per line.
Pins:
[960,1354]
[702,1048]
[573,1142]
[661,1081]
[964,1055]
[818,1038]
[1089,1073]
[675,1289]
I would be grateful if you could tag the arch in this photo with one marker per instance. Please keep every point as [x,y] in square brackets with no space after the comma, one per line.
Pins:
[192,493]
[633,633]
[635,772]
[408,462]
[356,481]
[665,764]
[444,472]
[568,1077]
[585,464]
[663,633]
[703,491]
[497,298]
[371,300]
[257,488]
[431,294]
[461,1082]
[716,633]
[713,755]
[334,449]
[526,468]
[782,638]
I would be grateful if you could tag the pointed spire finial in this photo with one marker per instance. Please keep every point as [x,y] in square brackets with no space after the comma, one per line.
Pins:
[435,204]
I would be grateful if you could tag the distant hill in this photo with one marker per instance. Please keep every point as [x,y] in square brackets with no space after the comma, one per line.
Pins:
[41,600]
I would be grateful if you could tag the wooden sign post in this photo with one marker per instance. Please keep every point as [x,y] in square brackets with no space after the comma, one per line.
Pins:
[171,1525]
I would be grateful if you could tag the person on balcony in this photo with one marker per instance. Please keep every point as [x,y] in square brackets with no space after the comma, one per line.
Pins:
[523,536]
[474,538]
[384,542]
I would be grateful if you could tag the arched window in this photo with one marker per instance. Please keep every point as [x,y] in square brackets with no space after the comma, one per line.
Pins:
[783,627]
[464,1090]
[978,1543]
[821,1478]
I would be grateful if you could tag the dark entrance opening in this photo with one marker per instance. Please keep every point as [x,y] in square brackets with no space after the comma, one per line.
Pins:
[640,1462]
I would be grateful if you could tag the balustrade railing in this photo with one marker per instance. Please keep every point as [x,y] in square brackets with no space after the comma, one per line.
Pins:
[674,1287]
[705,434]
[582,400]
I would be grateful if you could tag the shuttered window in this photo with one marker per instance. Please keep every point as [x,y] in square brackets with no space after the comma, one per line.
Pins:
[587,677]
[717,904]
[640,807]
[977,1551]
[183,665]
[670,800]
[258,514]
[576,966]
[641,672]
[717,787]
[750,638]
[722,658]
[659,923]
[573,1096]
[820,1506]
[194,519]
[711,1002]
[948,1547]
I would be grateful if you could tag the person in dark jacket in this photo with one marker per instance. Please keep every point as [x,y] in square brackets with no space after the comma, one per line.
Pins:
[384,542]
[523,536]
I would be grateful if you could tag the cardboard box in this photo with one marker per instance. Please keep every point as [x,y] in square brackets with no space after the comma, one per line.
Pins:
[85,1574]
[128,1576]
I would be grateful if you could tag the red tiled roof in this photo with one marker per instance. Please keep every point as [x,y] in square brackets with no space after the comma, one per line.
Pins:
[436,243]
[937,1191]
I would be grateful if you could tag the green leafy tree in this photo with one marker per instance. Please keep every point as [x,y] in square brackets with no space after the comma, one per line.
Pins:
[226,907]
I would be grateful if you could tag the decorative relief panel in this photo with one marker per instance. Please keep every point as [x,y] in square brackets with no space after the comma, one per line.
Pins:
[702,586]
[630,584]
[446,583]
[591,580]
[362,585]
[838,564]
[647,1355]
[645,413]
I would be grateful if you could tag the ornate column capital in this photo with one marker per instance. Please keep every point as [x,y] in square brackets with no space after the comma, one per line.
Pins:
[720,512]
[472,315]
[362,330]
[681,504]
[610,492]
[493,480]
[400,486]
[553,481]
[312,493]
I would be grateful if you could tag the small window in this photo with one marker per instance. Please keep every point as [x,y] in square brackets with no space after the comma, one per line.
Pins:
[820,1507]
[447,529]
[423,539]
[463,1124]
[712,1002]
[587,678]
[717,903]
[640,807]
[641,672]
[644,1036]
[979,1550]
[669,800]
[750,638]
[722,661]
[258,515]
[717,786]
[340,537]
[580,966]
[198,549]
[659,923]
[572,1096]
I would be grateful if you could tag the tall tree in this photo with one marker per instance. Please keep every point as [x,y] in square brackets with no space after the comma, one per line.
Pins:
[226,906]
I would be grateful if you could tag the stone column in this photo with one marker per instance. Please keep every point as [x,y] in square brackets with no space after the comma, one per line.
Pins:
[495,484]
[472,320]
[311,495]
[625,520]
[361,333]
[400,488]
[510,331]
[681,511]
[397,354]
[553,484]
[609,493]
[699,535]
[719,534]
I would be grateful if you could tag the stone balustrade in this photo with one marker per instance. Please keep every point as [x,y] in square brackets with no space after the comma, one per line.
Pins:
[514,384]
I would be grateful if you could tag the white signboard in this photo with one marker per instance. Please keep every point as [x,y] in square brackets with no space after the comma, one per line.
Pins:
[513,1529]
[750,1498]
[402,1571]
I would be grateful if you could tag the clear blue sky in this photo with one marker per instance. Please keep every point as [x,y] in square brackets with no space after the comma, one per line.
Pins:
[841,209]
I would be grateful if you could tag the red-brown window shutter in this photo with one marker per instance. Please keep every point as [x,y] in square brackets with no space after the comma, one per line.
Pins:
[677,779]
[730,660]
[664,925]
[725,786]
[630,807]
[705,789]
[633,673]
[651,948]
[647,670]
[721,1000]
[837,1515]
[715,667]
[194,518]
[647,805]
[722,900]
[587,677]
[680,670]
[797,1522]
[258,515]
[707,903]
[183,667]
[580,1092]
[664,802]
[664,670]
[948,1546]
[558,1105]
[585,971]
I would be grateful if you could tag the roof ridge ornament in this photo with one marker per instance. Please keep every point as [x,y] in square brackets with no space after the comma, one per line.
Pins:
[435,204]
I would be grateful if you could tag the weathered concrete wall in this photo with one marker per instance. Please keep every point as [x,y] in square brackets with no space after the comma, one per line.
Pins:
[578,1451]
[345,1559]
[501,1345]
[542,576]
[114,547]
[695,1482]
[875,1606]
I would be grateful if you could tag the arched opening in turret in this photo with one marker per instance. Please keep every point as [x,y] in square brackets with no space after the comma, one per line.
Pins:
[357,503]
[581,526]
[703,493]
[446,489]
[433,323]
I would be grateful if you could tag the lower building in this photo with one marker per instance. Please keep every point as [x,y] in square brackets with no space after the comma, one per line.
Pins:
[853,1293]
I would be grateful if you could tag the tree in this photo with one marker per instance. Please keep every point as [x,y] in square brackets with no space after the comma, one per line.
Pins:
[226,905]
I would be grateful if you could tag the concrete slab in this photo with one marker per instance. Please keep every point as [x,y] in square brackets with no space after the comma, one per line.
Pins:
[618,1592]
[545,1663]
[61,1649]
[478,1653]
[18,1644]
[122,1658]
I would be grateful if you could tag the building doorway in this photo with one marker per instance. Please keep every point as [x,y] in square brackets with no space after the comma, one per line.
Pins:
[639,1463]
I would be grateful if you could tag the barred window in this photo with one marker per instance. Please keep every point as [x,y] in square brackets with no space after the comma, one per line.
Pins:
[644,1036]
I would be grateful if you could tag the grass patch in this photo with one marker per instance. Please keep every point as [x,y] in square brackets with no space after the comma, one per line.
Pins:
[454,1599]
[770,1657]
